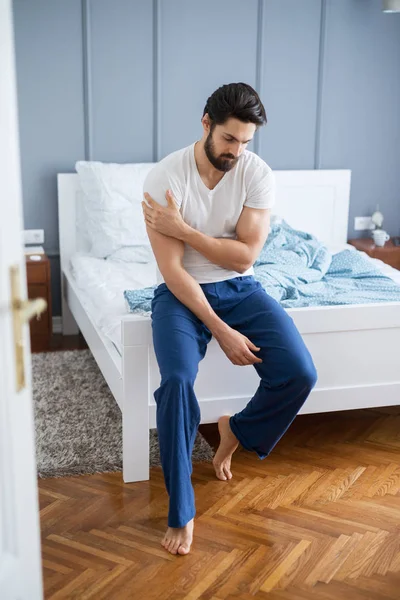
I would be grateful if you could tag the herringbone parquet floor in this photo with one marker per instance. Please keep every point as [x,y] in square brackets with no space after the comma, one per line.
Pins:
[318,518]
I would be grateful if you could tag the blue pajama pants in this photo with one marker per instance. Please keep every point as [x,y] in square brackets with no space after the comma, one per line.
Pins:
[287,376]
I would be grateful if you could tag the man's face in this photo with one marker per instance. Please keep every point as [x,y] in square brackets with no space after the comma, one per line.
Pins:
[225,143]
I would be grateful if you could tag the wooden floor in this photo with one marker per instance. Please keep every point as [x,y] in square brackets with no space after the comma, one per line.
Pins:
[318,518]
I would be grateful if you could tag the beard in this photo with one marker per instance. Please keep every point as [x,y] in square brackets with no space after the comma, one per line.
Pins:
[224,162]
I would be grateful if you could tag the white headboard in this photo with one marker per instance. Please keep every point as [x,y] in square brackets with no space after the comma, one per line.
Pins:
[316,202]
[313,201]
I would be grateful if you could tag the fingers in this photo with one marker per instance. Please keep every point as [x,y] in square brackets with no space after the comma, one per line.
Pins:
[245,359]
[146,214]
[242,355]
[149,200]
[257,359]
[170,198]
[149,213]
[148,218]
[249,354]
[240,362]
[146,208]
[252,358]
[251,345]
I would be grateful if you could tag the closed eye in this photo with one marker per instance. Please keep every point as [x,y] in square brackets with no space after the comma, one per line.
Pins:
[232,140]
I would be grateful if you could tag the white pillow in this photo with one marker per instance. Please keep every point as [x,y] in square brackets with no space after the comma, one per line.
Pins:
[114,219]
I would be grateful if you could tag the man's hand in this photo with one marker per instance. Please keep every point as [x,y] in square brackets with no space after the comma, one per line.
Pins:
[237,347]
[164,219]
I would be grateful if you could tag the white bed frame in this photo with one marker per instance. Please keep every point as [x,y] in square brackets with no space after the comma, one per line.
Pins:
[355,348]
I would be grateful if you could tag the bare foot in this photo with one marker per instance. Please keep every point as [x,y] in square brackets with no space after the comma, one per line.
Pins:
[178,540]
[227,446]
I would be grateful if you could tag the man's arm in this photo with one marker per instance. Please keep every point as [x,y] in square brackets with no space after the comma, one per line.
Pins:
[169,253]
[238,255]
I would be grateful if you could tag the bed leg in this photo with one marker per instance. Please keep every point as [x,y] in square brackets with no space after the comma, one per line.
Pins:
[69,326]
[135,414]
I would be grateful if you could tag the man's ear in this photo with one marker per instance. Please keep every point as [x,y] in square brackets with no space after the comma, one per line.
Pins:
[206,122]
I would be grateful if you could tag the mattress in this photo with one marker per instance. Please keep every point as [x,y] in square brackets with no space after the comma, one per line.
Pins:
[101,284]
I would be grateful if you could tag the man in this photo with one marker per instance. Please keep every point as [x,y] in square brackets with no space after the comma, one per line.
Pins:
[207,212]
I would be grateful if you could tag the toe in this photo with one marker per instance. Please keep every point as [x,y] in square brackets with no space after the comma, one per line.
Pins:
[183,549]
[219,472]
[227,472]
[171,549]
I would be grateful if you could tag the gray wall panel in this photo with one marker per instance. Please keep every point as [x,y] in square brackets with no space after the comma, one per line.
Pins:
[360,111]
[48,48]
[127,80]
[120,40]
[202,45]
[48,41]
[289,82]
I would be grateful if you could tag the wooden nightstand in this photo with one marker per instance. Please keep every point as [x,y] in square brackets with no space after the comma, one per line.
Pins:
[38,279]
[389,253]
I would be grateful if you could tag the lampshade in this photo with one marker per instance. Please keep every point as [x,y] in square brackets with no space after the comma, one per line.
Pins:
[390,6]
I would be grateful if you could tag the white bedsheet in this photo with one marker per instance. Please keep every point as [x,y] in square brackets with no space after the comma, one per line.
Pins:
[102,282]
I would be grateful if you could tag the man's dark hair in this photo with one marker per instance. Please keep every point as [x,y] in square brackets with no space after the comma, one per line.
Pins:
[235,100]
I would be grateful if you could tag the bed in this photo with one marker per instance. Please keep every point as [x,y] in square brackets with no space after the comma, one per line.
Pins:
[355,348]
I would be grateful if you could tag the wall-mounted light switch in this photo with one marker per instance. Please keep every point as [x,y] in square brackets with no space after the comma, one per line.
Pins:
[363,223]
[34,236]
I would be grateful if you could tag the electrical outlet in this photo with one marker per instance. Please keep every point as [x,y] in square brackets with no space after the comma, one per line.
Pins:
[363,223]
[34,236]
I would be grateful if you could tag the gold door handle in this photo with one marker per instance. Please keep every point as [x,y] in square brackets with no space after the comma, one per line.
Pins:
[22,311]
[29,308]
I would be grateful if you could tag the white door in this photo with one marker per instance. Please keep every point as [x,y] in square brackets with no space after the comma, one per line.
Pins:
[20,562]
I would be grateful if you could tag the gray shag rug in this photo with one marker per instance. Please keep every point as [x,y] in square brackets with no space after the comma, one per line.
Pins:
[78,424]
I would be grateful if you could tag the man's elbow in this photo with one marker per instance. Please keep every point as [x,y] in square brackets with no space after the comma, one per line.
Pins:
[249,260]
[248,263]
[243,267]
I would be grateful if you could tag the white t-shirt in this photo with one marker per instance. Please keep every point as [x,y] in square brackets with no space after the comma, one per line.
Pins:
[214,212]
